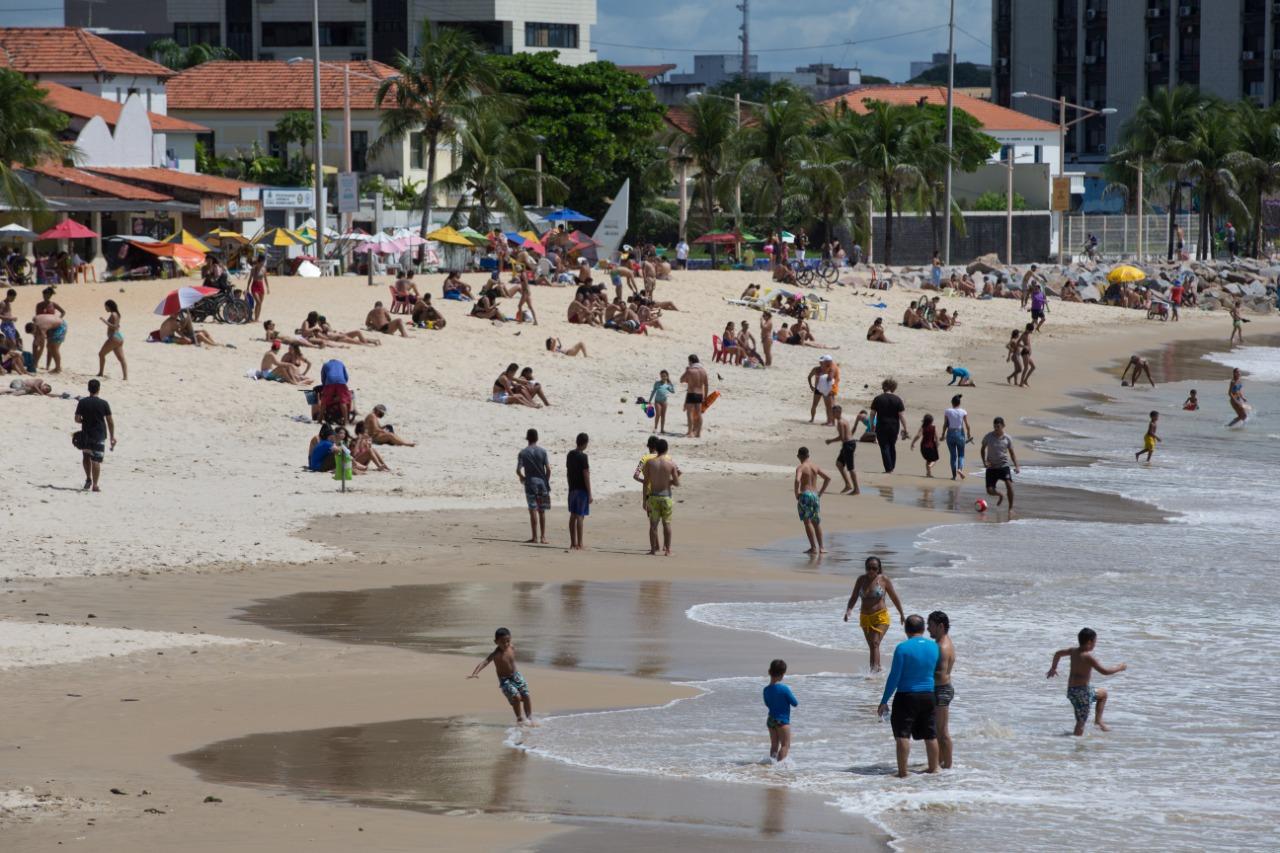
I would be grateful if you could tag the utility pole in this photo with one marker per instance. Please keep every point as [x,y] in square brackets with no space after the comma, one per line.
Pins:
[951,90]
[319,140]
[745,38]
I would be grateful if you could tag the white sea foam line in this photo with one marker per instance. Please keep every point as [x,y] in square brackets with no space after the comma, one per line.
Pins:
[25,644]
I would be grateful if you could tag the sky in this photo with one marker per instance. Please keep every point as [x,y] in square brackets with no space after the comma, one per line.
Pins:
[662,31]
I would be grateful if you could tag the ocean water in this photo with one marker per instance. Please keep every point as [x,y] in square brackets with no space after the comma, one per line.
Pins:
[1190,605]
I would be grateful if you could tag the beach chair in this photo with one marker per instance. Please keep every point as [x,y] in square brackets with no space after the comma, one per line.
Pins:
[400,303]
[718,354]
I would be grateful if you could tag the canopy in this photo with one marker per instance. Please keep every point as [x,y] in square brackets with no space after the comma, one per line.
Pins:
[14,231]
[67,229]
[184,255]
[280,237]
[448,235]
[719,238]
[566,214]
[182,299]
[1125,273]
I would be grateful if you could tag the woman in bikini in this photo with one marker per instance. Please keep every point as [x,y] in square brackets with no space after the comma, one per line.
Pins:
[1024,350]
[258,286]
[1015,356]
[1235,396]
[729,344]
[363,451]
[554,345]
[114,342]
[872,588]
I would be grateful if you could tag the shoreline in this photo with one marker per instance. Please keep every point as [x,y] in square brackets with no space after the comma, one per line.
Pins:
[289,673]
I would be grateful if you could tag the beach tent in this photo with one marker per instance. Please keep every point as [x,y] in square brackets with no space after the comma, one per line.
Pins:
[566,214]
[380,243]
[67,229]
[449,236]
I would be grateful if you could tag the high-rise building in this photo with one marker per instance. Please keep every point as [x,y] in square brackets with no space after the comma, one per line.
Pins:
[349,29]
[1099,53]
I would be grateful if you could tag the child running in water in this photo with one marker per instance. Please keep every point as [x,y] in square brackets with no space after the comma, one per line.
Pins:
[1149,440]
[1080,693]
[510,681]
[662,389]
[779,699]
[927,435]
[1192,403]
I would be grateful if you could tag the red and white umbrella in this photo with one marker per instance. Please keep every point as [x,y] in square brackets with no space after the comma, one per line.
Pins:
[182,299]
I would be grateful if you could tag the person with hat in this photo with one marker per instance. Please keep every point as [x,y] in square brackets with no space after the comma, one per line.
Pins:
[275,370]
[380,434]
[824,382]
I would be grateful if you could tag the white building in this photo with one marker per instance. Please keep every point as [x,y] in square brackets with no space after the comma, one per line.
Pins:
[81,60]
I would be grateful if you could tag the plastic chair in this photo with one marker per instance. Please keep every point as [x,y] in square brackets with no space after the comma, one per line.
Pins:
[399,303]
[718,354]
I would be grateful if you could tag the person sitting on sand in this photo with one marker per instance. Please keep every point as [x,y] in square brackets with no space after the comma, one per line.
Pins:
[584,271]
[379,434]
[581,313]
[646,312]
[943,320]
[363,452]
[801,336]
[425,316]
[310,328]
[1070,293]
[876,331]
[747,344]
[784,274]
[531,386]
[553,345]
[275,370]
[380,320]
[751,294]
[508,392]
[911,317]
[178,329]
[11,355]
[455,287]
[486,307]
[299,361]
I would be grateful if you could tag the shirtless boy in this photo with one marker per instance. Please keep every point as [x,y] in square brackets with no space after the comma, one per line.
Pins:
[808,501]
[1080,693]
[510,681]
[1149,440]
[661,475]
[276,370]
[939,627]
[696,382]
[848,444]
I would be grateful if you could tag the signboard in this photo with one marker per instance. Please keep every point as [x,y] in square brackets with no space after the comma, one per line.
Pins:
[1061,194]
[614,226]
[348,192]
[251,193]
[288,198]
[220,207]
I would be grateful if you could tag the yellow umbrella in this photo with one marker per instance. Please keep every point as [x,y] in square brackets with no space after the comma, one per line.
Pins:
[528,235]
[222,235]
[307,233]
[186,238]
[1125,274]
[448,235]
[280,237]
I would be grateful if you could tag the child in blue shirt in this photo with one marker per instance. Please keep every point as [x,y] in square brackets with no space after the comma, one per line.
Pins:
[779,699]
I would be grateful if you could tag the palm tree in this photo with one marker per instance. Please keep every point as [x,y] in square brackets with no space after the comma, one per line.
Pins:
[1162,121]
[888,159]
[1257,162]
[300,126]
[443,85]
[173,55]
[29,135]
[709,144]
[1206,157]
[490,173]
[776,149]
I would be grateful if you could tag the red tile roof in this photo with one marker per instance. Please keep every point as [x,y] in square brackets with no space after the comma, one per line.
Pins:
[649,72]
[73,102]
[278,85]
[97,183]
[677,118]
[207,184]
[62,50]
[989,115]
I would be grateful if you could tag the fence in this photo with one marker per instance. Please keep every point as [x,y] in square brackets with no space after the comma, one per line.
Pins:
[1118,234]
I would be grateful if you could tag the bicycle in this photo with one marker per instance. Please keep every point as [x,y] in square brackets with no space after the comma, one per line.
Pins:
[223,306]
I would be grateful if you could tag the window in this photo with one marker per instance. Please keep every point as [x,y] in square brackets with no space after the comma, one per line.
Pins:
[359,150]
[189,34]
[275,147]
[550,35]
[417,151]
[359,56]
[206,141]
[298,34]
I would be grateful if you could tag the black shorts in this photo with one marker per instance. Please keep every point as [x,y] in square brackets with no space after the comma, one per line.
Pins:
[995,475]
[912,716]
[693,399]
[845,459]
[96,451]
[1037,314]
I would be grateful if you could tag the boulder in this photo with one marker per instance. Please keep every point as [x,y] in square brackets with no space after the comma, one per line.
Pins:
[989,263]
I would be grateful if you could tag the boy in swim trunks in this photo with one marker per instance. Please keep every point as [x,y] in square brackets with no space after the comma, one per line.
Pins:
[1192,403]
[510,681]
[1080,693]
[808,502]
[848,444]
[661,475]
[1149,440]
[779,699]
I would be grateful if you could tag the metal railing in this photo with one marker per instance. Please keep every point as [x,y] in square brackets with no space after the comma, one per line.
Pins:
[1118,234]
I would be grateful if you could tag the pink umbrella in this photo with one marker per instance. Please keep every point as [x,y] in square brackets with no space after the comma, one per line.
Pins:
[534,246]
[182,299]
[67,229]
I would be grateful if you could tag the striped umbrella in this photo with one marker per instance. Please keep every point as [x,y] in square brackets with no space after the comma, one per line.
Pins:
[182,299]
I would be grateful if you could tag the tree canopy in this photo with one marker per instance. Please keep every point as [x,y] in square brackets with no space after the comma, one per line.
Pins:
[29,135]
[968,75]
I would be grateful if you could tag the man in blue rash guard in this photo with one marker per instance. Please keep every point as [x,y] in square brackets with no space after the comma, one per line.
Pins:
[911,679]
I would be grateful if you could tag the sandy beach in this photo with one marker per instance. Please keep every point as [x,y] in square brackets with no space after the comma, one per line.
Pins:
[172,612]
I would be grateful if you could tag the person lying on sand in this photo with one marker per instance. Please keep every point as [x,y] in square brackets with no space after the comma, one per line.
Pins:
[553,345]
[269,327]
[355,336]
[28,387]
[801,336]
[275,370]
[380,320]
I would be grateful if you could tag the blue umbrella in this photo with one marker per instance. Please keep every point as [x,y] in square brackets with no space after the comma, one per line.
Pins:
[513,237]
[567,215]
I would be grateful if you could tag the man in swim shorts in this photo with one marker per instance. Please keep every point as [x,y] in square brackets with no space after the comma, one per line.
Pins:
[939,627]
[696,386]
[534,471]
[661,475]
[910,685]
[808,502]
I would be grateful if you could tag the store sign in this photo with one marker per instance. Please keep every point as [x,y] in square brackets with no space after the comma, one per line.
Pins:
[348,192]
[288,198]
[1061,194]
[220,207]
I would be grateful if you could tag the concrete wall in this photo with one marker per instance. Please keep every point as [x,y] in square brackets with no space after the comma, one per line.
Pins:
[913,241]
[1030,180]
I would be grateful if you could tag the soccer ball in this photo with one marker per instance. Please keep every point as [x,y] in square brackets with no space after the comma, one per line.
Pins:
[980,505]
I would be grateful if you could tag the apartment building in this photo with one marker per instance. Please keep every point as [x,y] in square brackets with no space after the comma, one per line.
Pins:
[380,29]
[1113,52]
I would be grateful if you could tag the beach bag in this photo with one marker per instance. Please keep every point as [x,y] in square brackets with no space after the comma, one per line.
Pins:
[77,439]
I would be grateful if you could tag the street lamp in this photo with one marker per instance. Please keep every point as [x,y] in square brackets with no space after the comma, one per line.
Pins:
[537,164]
[1063,124]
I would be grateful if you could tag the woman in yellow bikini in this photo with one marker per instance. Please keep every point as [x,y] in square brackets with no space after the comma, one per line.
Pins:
[872,588]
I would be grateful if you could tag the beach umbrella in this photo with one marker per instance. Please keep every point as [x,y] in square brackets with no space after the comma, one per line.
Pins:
[513,237]
[534,246]
[528,235]
[788,237]
[185,238]
[14,231]
[473,235]
[450,236]
[184,255]
[220,236]
[566,214]
[182,299]
[1125,273]
[279,237]
[380,243]
[67,229]
[718,238]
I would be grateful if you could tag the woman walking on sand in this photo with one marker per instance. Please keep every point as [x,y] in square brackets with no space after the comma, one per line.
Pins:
[114,342]
[1235,396]
[874,620]
[258,286]
[1015,356]
[1024,350]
